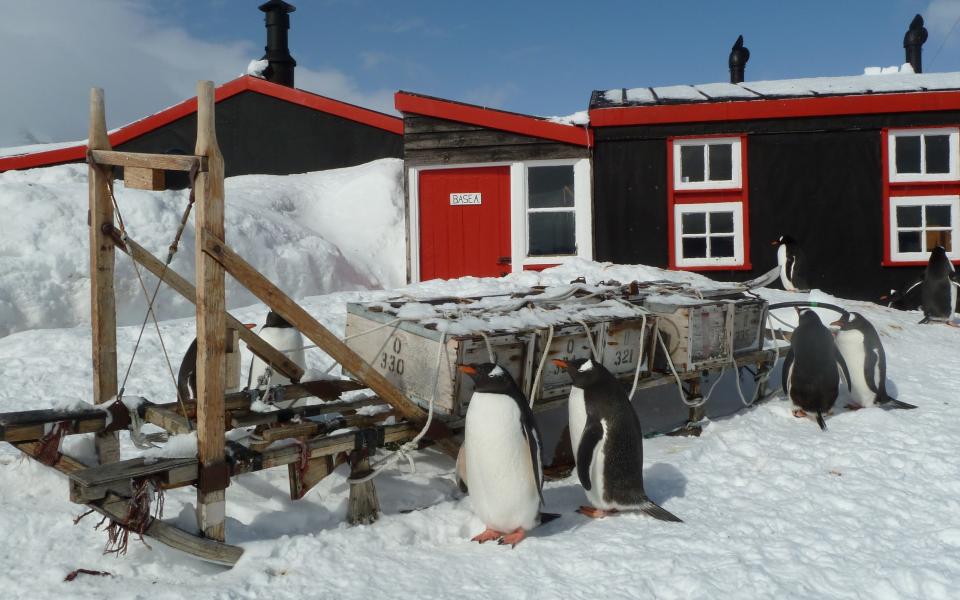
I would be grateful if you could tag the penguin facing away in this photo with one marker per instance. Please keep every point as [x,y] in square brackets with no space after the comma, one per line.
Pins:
[187,375]
[859,344]
[500,459]
[810,377]
[939,291]
[280,334]
[793,264]
[607,443]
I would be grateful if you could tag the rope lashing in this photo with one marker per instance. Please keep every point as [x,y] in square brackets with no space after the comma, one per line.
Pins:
[543,361]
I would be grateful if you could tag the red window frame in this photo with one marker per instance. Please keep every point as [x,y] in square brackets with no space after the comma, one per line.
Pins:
[707,196]
[907,189]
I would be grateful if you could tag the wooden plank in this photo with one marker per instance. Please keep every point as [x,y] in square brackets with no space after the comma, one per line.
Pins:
[273,297]
[141,178]
[303,480]
[257,345]
[103,308]
[168,419]
[211,325]
[466,139]
[33,424]
[420,124]
[114,506]
[167,162]
[266,418]
[134,468]
[294,430]
[482,154]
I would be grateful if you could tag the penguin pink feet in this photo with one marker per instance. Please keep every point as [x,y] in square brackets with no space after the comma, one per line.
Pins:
[799,412]
[595,513]
[488,535]
[513,538]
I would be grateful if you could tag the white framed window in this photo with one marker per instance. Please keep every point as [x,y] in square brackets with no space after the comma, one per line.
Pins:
[551,211]
[708,234]
[706,164]
[919,223]
[923,154]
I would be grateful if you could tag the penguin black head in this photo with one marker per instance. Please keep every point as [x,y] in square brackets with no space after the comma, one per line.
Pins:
[489,377]
[810,318]
[275,320]
[783,240]
[583,371]
[939,264]
[850,320]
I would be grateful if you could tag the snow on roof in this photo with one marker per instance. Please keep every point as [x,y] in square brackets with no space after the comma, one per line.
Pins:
[871,82]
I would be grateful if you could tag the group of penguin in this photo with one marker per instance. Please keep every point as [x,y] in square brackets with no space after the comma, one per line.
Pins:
[938,288]
[500,460]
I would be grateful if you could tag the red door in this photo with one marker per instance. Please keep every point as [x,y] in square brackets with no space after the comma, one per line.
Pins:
[464,222]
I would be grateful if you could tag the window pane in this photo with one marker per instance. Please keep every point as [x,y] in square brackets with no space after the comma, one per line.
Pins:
[938,153]
[909,241]
[939,238]
[721,222]
[721,162]
[937,216]
[550,187]
[694,247]
[694,223]
[908,153]
[552,233]
[691,163]
[721,246]
[909,216]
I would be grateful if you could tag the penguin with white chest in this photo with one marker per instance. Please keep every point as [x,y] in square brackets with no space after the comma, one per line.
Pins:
[284,337]
[793,264]
[607,443]
[810,377]
[500,460]
[939,291]
[859,344]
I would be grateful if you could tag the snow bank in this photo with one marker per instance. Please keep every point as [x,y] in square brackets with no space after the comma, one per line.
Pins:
[311,234]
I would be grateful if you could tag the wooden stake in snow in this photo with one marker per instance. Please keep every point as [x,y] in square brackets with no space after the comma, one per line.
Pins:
[364,506]
[103,306]
[211,325]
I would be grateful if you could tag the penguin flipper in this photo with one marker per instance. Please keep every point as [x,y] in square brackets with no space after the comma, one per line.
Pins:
[462,470]
[821,422]
[870,365]
[592,434]
[656,511]
[785,371]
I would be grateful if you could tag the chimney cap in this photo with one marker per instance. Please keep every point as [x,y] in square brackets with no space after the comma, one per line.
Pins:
[272,5]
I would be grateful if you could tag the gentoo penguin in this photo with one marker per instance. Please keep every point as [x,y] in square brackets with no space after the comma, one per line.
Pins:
[939,291]
[500,456]
[860,346]
[793,264]
[187,375]
[908,300]
[607,442]
[810,377]
[284,337]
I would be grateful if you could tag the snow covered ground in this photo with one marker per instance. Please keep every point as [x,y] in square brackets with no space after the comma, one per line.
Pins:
[311,234]
[773,507]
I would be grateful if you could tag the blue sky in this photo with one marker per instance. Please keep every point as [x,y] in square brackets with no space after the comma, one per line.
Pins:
[536,57]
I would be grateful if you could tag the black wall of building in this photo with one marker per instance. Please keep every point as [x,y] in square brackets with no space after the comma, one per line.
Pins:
[817,179]
[265,135]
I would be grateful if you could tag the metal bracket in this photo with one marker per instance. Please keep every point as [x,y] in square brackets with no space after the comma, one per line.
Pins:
[213,478]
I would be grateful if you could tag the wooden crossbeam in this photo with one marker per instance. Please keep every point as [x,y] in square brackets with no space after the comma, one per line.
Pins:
[257,345]
[294,314]
[94,483]
[166,162]
[33,424]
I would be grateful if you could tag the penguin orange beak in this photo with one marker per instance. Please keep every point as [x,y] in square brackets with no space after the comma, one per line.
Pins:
[775,243]
[838,323]
[467,369]
[250,325]
[560,363]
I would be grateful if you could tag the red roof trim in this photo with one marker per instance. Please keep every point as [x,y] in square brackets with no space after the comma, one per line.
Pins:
[775,109]
[189,106]
[495,119]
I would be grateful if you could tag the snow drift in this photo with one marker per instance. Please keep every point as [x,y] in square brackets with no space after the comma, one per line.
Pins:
[310,234]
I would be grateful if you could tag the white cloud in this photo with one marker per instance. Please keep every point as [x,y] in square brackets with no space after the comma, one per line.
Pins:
[940,16]
[56,50]
[492,95]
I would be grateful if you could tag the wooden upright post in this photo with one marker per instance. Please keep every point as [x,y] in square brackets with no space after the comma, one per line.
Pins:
[103,308]
[211,326]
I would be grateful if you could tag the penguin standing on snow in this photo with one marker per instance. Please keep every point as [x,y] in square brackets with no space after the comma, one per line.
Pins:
[793,264]
[500,457]
[939,291]
[860,346]
[607,443]
[810,378]
[284,337]
[187,375]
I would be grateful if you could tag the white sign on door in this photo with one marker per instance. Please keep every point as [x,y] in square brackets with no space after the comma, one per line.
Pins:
[465,199]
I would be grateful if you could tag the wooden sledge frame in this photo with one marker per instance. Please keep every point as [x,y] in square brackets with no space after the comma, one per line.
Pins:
[106,488]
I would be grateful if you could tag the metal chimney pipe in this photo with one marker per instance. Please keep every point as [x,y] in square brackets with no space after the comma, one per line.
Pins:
[913,43]
[738,60]
[281,64]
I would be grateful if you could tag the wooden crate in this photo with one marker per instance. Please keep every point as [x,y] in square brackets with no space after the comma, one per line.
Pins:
[698,333]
